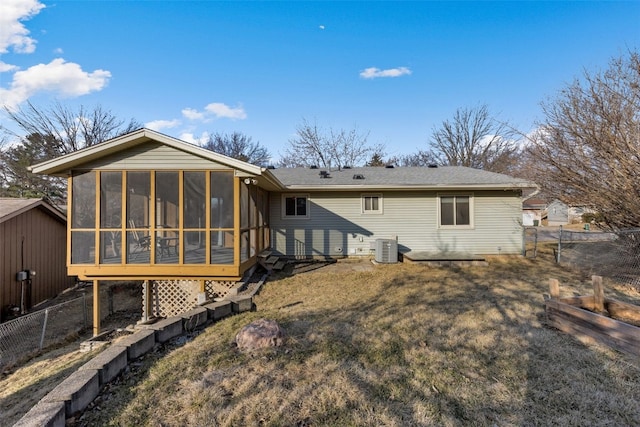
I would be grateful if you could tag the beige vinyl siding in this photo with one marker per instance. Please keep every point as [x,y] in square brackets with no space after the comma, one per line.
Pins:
[336,225]
[153,155]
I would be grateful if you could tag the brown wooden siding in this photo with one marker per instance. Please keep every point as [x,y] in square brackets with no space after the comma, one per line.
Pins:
[35,241]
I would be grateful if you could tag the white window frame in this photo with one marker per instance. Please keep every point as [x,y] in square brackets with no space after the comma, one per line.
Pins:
[378,211]
[296,196]
[471,211]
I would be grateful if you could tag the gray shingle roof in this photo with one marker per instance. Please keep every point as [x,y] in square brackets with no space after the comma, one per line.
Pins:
[398,177]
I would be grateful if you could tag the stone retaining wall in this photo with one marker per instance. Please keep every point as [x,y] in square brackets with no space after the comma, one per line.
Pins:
[75,393]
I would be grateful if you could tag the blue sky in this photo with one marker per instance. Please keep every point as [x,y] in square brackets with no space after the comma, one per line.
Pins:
[393,69]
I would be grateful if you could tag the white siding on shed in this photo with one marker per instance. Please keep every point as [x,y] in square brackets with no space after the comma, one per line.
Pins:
[336,225]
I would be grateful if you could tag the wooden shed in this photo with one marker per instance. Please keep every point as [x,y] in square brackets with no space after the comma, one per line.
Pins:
[32,240]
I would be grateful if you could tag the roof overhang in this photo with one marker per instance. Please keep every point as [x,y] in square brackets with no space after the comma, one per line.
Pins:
[399,187]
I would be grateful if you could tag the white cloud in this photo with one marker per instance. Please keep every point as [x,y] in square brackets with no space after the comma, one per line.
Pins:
[374,73]
[58,51]
[220,110]
[66,79]
[197,140]
[215,110]
[13,33]
[321,27]
[162,124]
[4,67]
[192,114]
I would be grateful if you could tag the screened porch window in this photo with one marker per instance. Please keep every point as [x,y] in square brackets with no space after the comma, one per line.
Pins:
[138,211]
[153,217]
[222,212]
[83,218]
[195,217]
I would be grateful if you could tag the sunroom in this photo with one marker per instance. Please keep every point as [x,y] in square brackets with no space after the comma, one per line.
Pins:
[152,208]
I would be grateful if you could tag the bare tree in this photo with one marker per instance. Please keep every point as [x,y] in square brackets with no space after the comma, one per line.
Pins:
[239,147]
[67,130]
[46,133]
[328,149]
[587,150]
[419,158]
[474,139]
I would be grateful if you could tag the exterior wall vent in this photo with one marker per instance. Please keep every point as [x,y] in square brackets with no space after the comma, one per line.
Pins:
[386,251]
[358,176]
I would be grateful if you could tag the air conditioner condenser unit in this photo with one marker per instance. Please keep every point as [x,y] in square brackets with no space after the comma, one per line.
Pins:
[386,251]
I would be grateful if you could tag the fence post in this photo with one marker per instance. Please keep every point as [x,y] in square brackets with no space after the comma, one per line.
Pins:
[559,246]
[44,327]
[554,288]
[598,293]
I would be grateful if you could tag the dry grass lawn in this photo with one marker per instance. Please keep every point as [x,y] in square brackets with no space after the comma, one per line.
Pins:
[389,345]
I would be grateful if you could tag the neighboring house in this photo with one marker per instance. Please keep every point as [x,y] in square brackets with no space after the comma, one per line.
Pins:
[576,213]
[145,206]
[557,213]
[532,210]
[33,237]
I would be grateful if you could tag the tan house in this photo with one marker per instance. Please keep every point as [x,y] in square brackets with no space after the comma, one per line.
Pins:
[145,206]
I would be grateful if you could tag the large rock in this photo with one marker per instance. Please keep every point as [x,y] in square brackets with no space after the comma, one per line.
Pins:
[260,334]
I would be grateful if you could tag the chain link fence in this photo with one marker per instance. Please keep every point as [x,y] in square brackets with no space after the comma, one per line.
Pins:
[22,337]
[25,336]
[613,255]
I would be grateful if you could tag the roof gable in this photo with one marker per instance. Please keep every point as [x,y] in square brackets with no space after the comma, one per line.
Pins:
[12,207]
[151,152]
[120,147]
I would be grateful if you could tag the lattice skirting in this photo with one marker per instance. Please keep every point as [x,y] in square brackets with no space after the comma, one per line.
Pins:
[173,297]
[217,288]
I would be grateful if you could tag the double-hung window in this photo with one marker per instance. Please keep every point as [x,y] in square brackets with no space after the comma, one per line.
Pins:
[455,211]
[295,206]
